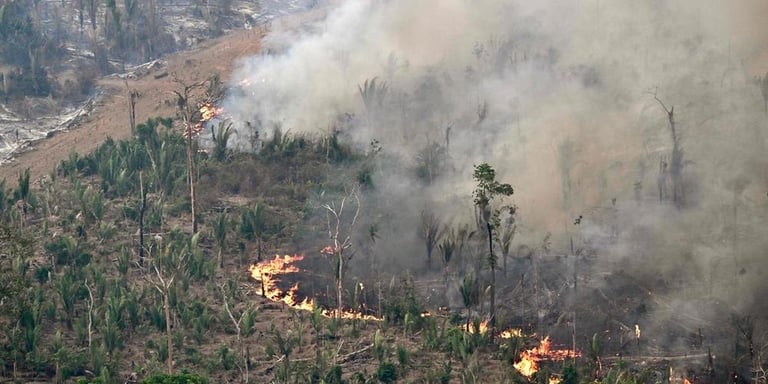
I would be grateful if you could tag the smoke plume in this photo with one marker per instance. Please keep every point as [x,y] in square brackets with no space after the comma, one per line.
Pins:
[569,101]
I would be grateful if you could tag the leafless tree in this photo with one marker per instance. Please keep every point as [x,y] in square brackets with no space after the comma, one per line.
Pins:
[341,220]
[676,162]
[244,327]
[191,129]
[168,265]
[133,96]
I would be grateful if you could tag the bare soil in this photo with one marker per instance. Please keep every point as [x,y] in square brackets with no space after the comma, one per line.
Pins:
[110,116]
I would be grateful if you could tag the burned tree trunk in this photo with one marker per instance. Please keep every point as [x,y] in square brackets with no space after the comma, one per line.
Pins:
[142,210]
[764,89]
[676,160]
[190,130]
[340,228]
[134,95]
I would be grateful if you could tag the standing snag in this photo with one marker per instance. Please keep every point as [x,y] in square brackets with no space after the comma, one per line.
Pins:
[341,220]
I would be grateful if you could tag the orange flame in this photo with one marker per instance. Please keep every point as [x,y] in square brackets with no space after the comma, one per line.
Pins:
[686,381]
[482,329]
[510,333]
[208,111]
[269,272]
[555,380]
[529,360]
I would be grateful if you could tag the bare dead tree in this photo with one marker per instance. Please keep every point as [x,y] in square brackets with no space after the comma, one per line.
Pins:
[190,130]
[341,220]
[134,95]
[142,211]
[244,327]
[662,178]
[745,327]
[90,313]
[168,265]
[676,160]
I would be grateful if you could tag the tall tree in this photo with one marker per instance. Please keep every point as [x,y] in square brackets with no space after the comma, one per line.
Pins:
[191,130]
[486,191]
[676,160]
[341,220]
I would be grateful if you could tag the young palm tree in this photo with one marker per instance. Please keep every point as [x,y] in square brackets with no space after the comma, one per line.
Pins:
[470,295]
[431,232]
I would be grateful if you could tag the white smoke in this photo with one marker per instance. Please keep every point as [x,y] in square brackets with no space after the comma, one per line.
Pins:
[550,93]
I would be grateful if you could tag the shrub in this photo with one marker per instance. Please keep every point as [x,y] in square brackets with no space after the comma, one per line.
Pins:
[184,378]
[386,373]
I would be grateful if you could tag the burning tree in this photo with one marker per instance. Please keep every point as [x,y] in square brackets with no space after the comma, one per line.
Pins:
[341,220]
[488,189]
[189,132]
[194,120]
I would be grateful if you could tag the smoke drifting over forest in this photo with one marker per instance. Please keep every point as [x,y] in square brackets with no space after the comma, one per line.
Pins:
[560,97]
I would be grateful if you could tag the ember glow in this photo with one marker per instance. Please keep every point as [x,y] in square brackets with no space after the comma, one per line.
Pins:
[481,329]
[208,111]
[510,333]
[270,272]
[529,359]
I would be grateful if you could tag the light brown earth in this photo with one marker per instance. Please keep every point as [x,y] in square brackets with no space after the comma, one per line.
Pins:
[110,118]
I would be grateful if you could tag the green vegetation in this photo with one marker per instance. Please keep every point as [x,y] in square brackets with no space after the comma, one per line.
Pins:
[104,276]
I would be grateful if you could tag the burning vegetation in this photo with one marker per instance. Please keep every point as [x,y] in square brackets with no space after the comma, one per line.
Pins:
[467,200]
[271,272]
[530,359]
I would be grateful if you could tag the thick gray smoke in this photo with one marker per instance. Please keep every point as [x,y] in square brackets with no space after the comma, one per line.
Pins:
[560,97]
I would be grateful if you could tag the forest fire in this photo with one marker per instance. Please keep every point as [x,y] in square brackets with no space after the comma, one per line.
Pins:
[481,329]
[529,359]
[208,111]
[510,333]
[269,272]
